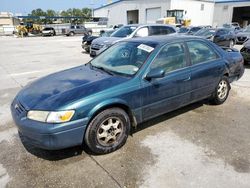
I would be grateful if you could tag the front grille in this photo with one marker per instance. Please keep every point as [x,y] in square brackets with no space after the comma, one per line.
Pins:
[19,108]
[242,39]
[96,46]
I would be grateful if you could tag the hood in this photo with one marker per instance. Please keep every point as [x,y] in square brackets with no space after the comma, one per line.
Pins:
[59,89]
[106,40]
[243,34]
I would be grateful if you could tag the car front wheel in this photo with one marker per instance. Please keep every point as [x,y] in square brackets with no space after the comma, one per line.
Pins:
[221,92]
[108,131]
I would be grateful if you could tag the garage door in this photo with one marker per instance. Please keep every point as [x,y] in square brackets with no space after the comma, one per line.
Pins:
[152,14]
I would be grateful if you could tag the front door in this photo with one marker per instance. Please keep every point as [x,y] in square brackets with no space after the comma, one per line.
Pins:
[173,90]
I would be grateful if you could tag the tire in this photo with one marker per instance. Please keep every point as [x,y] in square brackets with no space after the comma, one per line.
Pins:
[108,131]
[71,33]
[221,92]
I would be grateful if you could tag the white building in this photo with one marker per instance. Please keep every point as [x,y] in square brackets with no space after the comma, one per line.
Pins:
[201,12]
[226,11]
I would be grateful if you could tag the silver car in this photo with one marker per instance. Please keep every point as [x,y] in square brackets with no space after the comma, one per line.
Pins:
[243,36]
[129,31]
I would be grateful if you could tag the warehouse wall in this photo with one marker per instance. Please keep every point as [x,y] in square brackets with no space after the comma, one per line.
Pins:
[223,12]
[194,12]
[117,12]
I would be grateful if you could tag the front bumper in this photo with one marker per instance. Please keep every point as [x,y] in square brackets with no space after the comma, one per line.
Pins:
[241,40]
[86,47]
[95,50]
[246,56]
[49,136]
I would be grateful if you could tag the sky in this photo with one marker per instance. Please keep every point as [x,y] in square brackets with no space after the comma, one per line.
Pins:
[26,6]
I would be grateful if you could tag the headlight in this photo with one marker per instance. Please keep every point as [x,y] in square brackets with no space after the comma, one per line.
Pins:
[51,117]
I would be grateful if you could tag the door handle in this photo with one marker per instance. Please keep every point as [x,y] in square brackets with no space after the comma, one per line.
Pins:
[187,79]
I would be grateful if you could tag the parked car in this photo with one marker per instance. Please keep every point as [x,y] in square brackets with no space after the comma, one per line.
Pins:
[189,30]
[234,26]
[221,36]
[129,31]
[245,51]
[76,29]
[48,31]
[87,40]
[129,83]
[243,36]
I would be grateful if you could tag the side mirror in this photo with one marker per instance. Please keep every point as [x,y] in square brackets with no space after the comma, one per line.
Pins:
[155,73]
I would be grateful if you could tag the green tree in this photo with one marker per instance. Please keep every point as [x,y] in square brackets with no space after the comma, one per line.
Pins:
[50,13]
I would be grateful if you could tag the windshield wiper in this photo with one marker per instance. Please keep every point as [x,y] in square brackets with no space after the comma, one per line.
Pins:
[103,69]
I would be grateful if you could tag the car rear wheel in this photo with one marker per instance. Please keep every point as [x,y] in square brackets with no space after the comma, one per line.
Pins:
[221,92]
[108,131]
[71,33]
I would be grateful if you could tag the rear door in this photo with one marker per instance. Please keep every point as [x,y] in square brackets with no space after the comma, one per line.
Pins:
[206,66]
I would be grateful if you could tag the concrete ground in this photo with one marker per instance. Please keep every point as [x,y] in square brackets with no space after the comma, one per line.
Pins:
[197,146]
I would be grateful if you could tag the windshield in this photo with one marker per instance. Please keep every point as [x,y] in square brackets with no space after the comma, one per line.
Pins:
[124,58]
[107,33]
[247,30]
[205,32]
[194,29]
[183,30]
[124,31]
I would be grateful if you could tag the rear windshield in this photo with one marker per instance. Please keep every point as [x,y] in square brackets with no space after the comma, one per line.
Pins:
[47,29]
[124,31]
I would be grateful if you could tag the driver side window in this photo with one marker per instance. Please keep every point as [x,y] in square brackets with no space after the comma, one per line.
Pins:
[142,32]
[170,58]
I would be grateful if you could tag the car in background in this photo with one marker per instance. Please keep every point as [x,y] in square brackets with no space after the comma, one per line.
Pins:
[220,36]
[76,29]
[245,52]
[129,83]
[189,30]
[243,36]
[129,31]
[87,40]
[48,31]
[234,26]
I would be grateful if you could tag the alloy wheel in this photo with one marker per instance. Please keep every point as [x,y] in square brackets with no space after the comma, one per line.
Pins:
[222,89]
[110,131]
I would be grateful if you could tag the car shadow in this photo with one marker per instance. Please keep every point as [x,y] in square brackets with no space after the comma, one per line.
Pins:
[57,155]
[247,66]
[84,52]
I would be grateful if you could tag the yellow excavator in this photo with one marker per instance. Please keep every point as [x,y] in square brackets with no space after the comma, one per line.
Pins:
[175,17]
[24,29]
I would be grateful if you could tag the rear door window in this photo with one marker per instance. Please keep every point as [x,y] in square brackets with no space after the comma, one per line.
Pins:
[161,30]
[200,52]
[155,30]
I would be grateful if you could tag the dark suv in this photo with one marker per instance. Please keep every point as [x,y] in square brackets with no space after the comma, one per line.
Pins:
[221,36]
[76,29]
[129,31]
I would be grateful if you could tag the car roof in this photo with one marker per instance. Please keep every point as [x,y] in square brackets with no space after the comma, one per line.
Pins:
[162,39]
[140,25]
